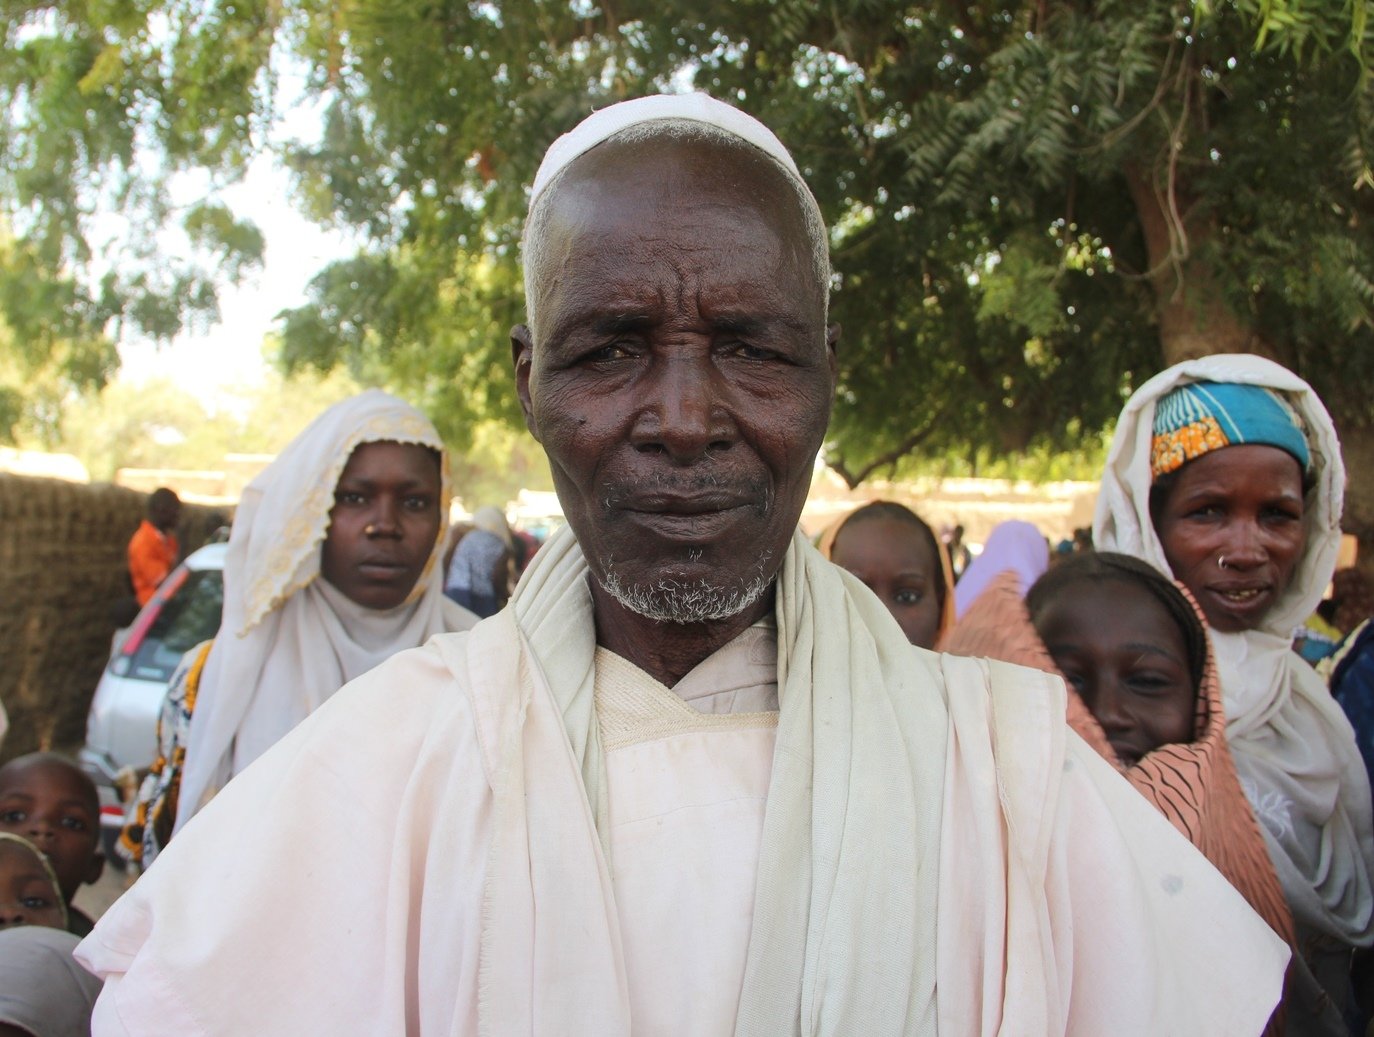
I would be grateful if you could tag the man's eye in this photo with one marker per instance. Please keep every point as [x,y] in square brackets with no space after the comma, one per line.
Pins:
[909,597]
[615,351]
[418,503]
[11,817]
[76,824]
[348,497]
[751,352]
[36,903]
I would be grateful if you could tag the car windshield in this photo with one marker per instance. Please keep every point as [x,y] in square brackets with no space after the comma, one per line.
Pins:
[187,618]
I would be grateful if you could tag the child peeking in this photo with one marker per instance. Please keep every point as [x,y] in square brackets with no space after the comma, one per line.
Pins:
[1130,646]
[1143,692]
[47,800]
[43,991]
[29,894]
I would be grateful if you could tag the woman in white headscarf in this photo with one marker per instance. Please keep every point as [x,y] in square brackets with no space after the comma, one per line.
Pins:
[333,566]
[1226,474]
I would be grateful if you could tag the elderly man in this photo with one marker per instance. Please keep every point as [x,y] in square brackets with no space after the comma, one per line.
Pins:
[693,780]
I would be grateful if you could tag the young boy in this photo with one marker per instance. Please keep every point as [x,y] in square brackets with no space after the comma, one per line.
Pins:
[46,799]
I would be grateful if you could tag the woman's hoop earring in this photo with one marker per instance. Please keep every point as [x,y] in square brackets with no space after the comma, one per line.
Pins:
[1221,561]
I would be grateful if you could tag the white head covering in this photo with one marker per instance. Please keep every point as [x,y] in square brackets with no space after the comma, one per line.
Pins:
[1293,747]
[42,988]
[602,125]
[288,641]
[1012,546]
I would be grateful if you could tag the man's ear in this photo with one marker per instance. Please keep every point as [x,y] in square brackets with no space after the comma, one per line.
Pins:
[522,356]
[832,345]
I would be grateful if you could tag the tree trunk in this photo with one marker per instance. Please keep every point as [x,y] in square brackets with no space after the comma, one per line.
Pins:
[1357,445]
[1193,318]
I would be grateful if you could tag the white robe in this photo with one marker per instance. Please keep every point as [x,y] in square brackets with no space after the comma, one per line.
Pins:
[382,870]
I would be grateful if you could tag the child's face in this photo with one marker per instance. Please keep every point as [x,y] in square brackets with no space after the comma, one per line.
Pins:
[27,895]
[1123,653]
[53,805]
[894,561]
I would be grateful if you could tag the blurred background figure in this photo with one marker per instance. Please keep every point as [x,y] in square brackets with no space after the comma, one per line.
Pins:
[153,549]
[897,556]
[1015,547]
[956,550]
[480,572]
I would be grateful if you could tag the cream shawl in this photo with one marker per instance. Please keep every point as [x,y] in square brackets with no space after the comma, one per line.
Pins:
[1293,747]
[287,640]
[929,860]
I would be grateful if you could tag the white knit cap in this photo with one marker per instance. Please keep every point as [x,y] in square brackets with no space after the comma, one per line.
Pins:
[600,126]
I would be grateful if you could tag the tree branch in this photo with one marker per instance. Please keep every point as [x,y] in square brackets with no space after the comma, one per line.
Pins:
[852,478]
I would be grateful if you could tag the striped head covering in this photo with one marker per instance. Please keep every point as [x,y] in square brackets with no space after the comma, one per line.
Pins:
[1199,417]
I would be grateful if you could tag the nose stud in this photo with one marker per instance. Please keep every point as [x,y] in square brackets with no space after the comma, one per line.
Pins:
[371,530]
[1221,561]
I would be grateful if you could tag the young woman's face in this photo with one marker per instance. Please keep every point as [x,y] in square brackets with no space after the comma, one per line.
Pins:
[1125,656]
[27,894]
[384,523]
[897,564]
[1243,505]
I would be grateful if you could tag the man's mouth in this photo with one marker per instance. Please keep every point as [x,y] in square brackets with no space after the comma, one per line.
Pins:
[684,504]
[694,517]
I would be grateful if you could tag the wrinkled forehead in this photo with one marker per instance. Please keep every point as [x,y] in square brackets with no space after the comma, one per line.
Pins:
[663,191]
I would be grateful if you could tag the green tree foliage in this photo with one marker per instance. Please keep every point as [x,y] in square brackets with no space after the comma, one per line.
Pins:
[1034,204]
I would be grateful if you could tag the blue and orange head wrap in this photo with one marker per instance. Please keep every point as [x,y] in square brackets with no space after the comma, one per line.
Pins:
[1200,417]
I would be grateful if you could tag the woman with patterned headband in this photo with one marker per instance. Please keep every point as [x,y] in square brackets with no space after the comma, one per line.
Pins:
[1226,474]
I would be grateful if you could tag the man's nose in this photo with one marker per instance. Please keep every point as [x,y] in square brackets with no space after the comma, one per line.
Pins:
[684,412]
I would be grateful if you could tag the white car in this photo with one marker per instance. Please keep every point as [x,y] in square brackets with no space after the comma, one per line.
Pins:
[121,727]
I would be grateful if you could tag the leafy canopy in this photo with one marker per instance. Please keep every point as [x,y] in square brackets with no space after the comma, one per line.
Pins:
[1026,198]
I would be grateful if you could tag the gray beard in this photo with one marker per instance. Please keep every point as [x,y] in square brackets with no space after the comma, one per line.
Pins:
[682,601]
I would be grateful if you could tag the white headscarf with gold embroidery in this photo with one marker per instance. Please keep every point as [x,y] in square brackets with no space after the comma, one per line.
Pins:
[288,641]
[1293,747]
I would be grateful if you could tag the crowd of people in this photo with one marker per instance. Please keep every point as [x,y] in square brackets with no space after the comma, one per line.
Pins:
[681,770]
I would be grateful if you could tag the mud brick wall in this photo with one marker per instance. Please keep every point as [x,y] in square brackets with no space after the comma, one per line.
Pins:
[62,569]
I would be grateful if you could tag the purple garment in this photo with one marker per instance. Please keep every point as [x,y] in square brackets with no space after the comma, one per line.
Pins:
[1017,546]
